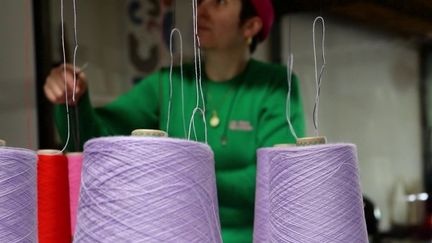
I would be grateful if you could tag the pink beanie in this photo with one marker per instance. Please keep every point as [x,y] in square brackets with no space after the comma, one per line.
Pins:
[264,9]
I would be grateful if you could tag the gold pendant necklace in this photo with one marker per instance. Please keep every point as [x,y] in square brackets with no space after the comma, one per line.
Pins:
[214,119]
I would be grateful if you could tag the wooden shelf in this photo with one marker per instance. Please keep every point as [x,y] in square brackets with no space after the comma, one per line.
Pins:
[412,19]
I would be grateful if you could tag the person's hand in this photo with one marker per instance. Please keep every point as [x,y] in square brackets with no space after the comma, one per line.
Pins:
[54,87]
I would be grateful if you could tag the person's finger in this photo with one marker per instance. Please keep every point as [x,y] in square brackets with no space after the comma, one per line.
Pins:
[80,77]
[51,84]
[50,96]
[53,97]
[58,89]
[81,85]
[70,82]
[55,84]
[79,88]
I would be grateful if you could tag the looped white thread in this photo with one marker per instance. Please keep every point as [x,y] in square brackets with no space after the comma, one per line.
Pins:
[197,60]
[192,124]
[290,63]
[64,75]
[318,77]
[174,30]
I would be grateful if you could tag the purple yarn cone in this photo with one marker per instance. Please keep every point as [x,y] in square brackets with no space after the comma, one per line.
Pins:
[143,189]
[315,195]
[261,231]
[18,210]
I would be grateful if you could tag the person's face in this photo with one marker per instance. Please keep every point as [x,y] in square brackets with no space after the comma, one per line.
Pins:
[219,24]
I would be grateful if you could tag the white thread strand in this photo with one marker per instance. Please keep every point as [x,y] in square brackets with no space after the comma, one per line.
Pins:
[143,189]
[290,63]
[181,76]
[77,136]
[199,89]
[75,51]
[318,77]
[64,76]
[194,13]
[192,124]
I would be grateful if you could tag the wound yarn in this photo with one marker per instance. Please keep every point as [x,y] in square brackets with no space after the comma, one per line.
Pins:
[314,194]
[18,209]
[147,189]
[53,197]
[261,223]
[74,165]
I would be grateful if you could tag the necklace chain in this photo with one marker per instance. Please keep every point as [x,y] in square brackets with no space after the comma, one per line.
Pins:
[214,118]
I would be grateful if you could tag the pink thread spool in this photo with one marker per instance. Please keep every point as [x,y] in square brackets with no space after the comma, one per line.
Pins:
[75,165]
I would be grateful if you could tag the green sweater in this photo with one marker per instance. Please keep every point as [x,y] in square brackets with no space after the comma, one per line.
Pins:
[251,108]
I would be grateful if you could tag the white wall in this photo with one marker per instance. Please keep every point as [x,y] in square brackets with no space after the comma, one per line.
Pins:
[369,97]
[17,75]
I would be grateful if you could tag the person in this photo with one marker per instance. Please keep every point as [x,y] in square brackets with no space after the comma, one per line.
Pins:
[244,98]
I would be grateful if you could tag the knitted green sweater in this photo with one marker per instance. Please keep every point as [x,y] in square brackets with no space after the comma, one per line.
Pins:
[251,113]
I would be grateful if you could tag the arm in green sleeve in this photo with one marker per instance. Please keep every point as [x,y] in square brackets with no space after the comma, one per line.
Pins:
[138,108]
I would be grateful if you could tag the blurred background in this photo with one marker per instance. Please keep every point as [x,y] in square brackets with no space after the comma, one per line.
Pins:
[376,90]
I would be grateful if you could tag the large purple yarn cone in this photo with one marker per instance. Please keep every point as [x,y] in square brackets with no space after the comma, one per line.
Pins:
[314,195]
[18,208]
[261,223]
[143,189]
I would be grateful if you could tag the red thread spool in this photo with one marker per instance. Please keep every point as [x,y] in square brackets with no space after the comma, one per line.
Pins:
[53,198]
